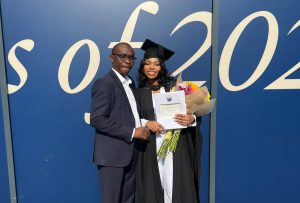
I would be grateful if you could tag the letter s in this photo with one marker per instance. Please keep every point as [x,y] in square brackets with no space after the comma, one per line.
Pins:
[28,45]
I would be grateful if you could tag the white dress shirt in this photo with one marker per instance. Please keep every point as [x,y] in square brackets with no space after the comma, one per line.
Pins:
[126,81]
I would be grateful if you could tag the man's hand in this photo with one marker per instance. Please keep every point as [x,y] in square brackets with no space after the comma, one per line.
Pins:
[141,133]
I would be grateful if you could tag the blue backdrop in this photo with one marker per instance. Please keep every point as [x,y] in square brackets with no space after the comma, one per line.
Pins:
[257,123]
[48,46]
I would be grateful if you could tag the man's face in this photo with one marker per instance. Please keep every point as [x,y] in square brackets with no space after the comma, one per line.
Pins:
[122,59]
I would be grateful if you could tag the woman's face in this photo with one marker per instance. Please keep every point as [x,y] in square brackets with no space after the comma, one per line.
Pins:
[152,68]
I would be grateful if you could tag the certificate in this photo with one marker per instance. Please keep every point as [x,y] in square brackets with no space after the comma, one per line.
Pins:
[166,105]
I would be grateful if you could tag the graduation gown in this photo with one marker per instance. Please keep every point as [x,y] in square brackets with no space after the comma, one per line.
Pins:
[186,161]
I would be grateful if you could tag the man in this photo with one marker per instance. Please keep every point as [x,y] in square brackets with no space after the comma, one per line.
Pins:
[114,116]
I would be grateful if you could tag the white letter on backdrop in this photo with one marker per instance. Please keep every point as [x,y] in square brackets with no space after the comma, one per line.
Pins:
[87,118]
[206,18]
[265,59]
[149,6]
[28,45]
[64,67]
[283,82]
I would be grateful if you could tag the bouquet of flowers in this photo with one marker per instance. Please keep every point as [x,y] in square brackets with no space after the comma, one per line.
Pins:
[198,102]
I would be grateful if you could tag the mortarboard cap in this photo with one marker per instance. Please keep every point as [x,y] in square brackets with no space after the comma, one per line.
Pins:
[154,50]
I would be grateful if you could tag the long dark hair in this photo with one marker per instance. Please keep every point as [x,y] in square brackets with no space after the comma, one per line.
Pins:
[163,76]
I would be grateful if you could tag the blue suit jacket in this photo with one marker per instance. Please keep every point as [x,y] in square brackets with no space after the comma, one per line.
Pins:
[113,120]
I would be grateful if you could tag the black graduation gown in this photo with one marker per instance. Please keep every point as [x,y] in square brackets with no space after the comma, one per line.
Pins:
[186,161]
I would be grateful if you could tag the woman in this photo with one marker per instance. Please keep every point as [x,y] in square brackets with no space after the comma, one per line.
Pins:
[175,178]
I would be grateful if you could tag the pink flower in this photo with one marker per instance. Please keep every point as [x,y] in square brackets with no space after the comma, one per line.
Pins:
[187,88]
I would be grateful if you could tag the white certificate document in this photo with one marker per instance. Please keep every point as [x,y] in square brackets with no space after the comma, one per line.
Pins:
[166,105]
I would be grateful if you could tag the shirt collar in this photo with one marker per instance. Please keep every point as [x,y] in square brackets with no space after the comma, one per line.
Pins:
[125,79]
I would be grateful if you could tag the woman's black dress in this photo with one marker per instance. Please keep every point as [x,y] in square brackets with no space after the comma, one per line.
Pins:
[186,161]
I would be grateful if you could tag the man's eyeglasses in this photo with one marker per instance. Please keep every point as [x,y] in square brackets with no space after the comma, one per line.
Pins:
[124,57]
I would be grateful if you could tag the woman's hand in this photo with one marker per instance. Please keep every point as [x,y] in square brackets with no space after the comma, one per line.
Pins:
[184,119]
[154,126]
